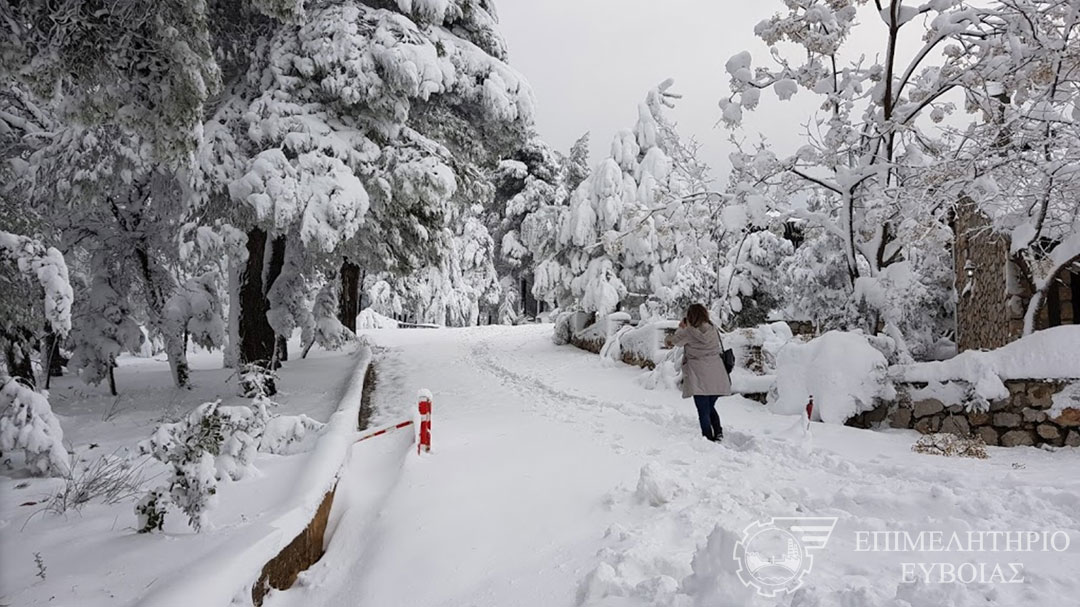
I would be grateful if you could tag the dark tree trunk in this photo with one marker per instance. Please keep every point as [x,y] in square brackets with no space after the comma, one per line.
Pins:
[112,379]
[256,335]
[273,270]
[158,287]
[349,300]
[53,360]
[56,359]
[281,352]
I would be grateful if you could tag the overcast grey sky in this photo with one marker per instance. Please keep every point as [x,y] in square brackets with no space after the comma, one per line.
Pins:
[591,61]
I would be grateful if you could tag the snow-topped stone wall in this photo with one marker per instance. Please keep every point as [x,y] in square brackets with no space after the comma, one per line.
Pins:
[1025,393]
[1033,413]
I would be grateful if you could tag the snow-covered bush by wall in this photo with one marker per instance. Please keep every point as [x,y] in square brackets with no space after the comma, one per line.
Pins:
[757,348]
[213,444]
[842,372]
[288,434]
[1048,354]
[644,342]
[27,424]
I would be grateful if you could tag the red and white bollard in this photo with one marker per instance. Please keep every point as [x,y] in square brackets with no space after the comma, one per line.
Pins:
[424,445]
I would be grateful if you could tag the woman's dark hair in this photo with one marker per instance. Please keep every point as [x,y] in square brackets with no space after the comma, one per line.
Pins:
[697,315]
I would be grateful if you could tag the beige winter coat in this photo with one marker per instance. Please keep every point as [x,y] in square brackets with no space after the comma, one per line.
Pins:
[703,369]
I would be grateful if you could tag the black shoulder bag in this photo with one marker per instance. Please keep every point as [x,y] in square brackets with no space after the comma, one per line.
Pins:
[726,355]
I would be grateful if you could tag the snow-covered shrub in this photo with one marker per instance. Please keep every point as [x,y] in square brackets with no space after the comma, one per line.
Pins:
[951,445]
[508,303]
[286,434]
[258,382]
[27,423]
[563,331]
[150,511]
[644,344]
[330,334]
[211,443]
[756,348]
[911,306]
[842,371]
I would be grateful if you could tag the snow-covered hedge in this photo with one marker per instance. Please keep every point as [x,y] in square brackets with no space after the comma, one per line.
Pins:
[1052,353]
[757,348]
[27,423]
[642,345]
[844,373]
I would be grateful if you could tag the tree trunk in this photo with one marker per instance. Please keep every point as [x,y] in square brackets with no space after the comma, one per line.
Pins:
[281,352]
[273,269]
[159,286]
[231,355]
[256,335]
[349,302]
[112,379]
[51,358]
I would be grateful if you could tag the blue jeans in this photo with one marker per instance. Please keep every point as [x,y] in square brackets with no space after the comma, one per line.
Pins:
[708,417]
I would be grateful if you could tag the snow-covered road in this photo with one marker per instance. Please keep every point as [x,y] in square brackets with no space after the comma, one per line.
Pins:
[557,480]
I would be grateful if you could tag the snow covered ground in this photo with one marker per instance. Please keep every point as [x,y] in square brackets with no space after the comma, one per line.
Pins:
[557,480]
[94,556]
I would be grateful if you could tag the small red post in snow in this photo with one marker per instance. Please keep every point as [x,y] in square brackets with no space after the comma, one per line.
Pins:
[424,446]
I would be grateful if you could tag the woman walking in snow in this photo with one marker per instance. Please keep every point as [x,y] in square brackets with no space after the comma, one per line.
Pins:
[703,373]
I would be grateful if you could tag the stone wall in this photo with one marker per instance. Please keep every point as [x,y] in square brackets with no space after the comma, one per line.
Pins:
[1020,419]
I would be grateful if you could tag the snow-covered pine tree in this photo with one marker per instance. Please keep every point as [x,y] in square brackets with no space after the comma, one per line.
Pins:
[116,95]
[576,165]
[528,183]
[383,127]
[618,244]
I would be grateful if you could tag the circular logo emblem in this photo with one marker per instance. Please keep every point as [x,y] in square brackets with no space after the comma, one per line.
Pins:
[771,559]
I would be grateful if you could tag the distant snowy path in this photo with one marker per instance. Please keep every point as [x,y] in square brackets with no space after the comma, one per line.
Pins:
[550,467]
